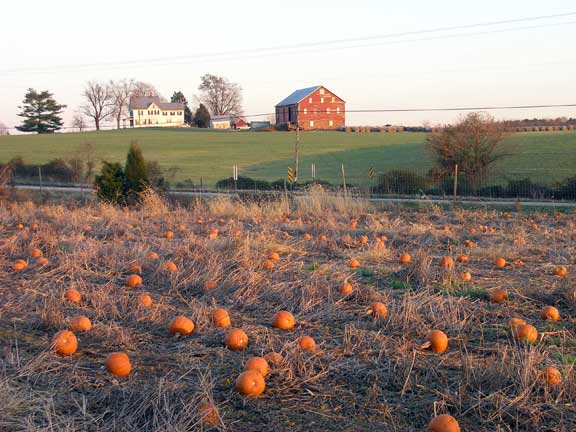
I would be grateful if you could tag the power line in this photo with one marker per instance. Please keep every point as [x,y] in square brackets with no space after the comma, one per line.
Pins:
[328,43]
[382,110]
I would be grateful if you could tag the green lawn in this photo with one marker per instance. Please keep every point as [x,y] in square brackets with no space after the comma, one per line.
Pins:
[544,157]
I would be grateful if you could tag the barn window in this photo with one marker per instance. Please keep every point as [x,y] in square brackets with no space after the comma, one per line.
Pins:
[331,123]
[333,99]
[327,110]
[322,91]
[311,123]
[309,100]
[321,100]
[338,110]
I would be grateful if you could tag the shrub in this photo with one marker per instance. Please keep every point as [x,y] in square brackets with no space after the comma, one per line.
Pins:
[111,183]
[400,182]
[567,189]
[135,171]
[243,183]
[525,188]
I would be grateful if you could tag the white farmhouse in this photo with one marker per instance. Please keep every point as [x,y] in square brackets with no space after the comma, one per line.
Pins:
[150,111]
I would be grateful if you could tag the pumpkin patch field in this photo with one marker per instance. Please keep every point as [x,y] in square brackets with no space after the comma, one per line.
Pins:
[319,314]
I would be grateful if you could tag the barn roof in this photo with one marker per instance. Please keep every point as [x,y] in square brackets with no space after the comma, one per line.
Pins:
[143,102]
[297,96]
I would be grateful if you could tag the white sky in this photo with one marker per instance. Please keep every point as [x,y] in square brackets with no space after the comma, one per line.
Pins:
[528,66]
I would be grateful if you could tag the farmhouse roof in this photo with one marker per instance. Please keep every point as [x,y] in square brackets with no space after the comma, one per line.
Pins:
[143,102]
[297,96]
[221,118]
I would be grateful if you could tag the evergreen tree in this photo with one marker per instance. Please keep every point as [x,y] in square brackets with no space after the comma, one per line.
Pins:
[135,171]
[111,183]
[41,113]
[202,117]
[178,97]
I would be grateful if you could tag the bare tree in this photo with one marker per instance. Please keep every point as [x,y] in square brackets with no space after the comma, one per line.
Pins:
[221,96]
[121,92]
[99,102]
[79,122]
[472,144]
[140,88]
[4,129]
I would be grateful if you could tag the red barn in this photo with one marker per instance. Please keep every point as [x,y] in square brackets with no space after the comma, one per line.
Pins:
[312,108]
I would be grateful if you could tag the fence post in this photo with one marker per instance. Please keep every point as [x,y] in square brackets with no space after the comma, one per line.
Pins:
[343,179]
[455,182]
[41,187]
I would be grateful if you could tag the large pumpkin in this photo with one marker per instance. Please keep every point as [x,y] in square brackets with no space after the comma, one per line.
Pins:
[65,343]
[118,364]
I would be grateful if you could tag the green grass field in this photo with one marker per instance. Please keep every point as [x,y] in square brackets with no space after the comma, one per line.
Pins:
[544,157]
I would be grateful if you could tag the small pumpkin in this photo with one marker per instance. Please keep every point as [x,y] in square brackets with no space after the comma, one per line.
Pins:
[463,258]
[145,300]
[135,267]
[170,267]
[526,333]
[560,271]
[284,320]
[307,236]
[437,341]
[378,310]
[323,237]
[268,265]
[181,326]
[498,295]
[550,313]
[518,262]
[118,364]
[236,340]
[209,414]
[363,240]
[64,343]
[446,262]
[133,281]
[307,344]
[73,296]
[346,289]
[153,256]
[443,423]
[210,285]
[250,383]
[19,265]
[469,244]
[43,261]
[169,235]
[274,256]
[353,223]
[274,358]
[500,262]
[221,318]
[36,253]
[354,263]
[258,364]
[405,258]
[552,376]
[81,323]
[466,276]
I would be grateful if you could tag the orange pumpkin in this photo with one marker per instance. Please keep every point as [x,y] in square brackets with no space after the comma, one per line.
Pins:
[346,289]
[268,265]
[258,364]
[170,267]
[353,263]
[133,281]
[209,285]
[153,256]
[550,313]
[560,271]
[378,310]
[498,295]
[462,258]
[250,383]
[181,326]
[500,262]
[273,256]
[64,343]
[73,296]
[274,358]
[169,235]
[43,261]
[526,333]
[438,341]
[118,364]
[19,265]
[364,240]
[81,323]
[209,414]
[353,223]
[236,340]
[443,423]
[518,262]
[145,300]
[307,236]
[307,344]
[323,237]
[469,244]
[552,375]
[135,267]
[284,320]
[36,253]
[446,262]
[466,276]
[220,318]
[405,258]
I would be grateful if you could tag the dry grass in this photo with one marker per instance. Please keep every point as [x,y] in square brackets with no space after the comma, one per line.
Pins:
[366,375]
